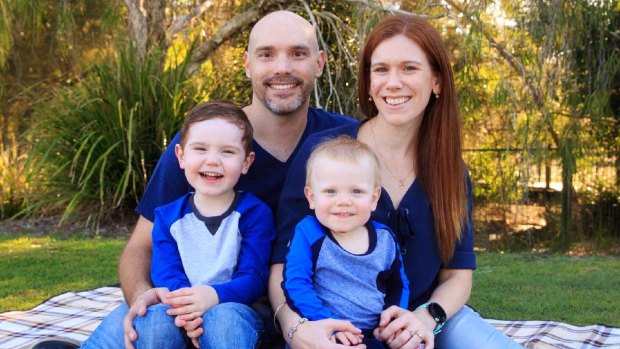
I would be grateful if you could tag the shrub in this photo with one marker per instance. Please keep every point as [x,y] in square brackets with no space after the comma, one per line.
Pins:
[96,143]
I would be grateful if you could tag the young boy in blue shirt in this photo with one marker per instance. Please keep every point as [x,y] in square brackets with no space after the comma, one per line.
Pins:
[212,245]
[341,264]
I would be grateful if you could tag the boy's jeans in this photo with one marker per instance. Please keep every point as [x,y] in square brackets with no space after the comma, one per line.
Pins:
[227,325]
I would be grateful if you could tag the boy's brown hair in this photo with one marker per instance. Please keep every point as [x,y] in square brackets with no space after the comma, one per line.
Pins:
[219,110]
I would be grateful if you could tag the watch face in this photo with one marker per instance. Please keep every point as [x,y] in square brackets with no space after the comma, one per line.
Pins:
[437,312]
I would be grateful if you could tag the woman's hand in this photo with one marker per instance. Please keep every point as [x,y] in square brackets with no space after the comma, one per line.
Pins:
[316,334]
[405,329]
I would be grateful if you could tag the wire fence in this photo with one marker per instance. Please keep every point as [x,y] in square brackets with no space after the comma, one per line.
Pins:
[518,199]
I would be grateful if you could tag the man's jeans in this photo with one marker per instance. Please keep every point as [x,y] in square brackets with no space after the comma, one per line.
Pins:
[227,325]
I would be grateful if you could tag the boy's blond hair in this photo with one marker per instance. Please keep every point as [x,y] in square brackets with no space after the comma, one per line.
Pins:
[344,148]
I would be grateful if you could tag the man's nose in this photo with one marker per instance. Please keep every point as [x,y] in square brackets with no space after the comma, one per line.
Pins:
[283,65]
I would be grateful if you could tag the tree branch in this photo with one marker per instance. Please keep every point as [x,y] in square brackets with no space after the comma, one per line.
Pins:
[182,21]
[232,27]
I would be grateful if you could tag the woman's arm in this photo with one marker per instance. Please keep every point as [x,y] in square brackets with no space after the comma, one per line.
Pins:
[400,326]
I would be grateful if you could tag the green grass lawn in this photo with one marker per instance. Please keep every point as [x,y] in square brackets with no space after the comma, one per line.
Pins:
[33,269]
[577,290]
[520,286]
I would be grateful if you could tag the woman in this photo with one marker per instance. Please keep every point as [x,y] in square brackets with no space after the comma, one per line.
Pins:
[406,90]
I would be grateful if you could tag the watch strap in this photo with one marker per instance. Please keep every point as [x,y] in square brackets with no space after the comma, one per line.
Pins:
[438,320]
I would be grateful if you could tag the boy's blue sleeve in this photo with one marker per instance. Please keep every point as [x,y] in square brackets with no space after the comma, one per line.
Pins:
[397,292]
[298,272]
[166,265]
[249,281]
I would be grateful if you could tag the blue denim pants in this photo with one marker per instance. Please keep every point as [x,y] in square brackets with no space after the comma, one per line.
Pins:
[467,329]
[227,325]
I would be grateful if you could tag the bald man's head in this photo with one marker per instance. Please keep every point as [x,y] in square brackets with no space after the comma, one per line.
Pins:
[278,23]
[283,61]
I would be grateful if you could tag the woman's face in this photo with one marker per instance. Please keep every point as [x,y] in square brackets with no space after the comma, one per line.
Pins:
[401,80]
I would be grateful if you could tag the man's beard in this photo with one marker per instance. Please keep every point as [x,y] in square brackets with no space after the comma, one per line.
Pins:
[285,107]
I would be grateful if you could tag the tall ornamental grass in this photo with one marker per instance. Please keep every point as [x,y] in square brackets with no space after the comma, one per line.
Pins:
[13,186]
[95,144]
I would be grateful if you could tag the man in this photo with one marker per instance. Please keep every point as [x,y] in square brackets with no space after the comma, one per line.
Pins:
[282,61]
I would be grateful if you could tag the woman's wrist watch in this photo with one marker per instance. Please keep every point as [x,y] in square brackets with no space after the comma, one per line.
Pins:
[438,314]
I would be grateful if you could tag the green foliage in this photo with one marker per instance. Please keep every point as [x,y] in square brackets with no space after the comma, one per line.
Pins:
[33,269]
[95,144]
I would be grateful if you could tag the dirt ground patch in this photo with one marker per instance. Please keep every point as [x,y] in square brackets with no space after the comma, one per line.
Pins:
[117,228]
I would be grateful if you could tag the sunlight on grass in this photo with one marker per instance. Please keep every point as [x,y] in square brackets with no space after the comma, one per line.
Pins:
[33,269]
[577,290]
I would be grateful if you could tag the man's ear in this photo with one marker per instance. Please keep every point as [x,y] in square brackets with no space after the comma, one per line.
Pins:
[320,63]
[248,162]
[178,151]
[310,196]
[246,64]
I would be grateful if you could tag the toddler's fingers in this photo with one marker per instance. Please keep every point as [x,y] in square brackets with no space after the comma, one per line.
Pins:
[342,337]
[354,339]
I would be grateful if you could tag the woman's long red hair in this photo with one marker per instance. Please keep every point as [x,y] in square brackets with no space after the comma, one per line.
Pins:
[438,160]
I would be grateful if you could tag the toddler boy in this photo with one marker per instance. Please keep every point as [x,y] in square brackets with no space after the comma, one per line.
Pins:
[340,263]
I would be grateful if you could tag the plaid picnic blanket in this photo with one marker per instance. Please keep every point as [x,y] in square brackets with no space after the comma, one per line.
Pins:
[75,315]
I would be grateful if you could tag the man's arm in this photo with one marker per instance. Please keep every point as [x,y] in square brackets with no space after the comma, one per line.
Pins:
[134,267]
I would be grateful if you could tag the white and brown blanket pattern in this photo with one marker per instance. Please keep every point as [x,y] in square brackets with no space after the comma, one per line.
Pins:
[75,315]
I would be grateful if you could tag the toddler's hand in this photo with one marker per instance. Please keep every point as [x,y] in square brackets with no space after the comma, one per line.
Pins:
[346,338]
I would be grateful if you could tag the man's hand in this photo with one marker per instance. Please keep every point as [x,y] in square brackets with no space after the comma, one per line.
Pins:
[149,297]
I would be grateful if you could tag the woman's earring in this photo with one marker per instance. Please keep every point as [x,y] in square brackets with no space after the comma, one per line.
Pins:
[369,99]
[436,95]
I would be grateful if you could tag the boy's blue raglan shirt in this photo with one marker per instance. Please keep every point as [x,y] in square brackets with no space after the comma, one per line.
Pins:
[229,252]
[264,179]
[322,280]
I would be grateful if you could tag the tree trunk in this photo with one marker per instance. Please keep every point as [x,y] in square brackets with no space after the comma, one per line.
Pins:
[146,19]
